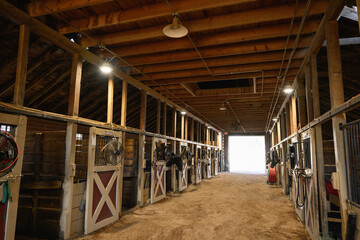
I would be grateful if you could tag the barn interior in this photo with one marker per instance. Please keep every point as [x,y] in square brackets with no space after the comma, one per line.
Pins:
[112,106]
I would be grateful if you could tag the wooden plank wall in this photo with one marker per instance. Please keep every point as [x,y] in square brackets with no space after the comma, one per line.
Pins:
[77,216]
[129,197]
[43,172]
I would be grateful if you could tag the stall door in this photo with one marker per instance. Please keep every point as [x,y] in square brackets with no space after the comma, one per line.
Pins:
[103,191]
[311,223]
[16,126]
[158,176]
[158,181]
[216,163]
[183,177]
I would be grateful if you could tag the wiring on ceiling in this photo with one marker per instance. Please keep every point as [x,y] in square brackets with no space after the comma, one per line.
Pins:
[307,7]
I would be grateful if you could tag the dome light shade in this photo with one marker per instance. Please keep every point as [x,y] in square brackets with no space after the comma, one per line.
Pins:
[275,119]
[106,68]
[183,113]
[288,90]
[175,30]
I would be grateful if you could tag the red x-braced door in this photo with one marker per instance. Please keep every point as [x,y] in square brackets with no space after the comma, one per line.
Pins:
[104,185]
[158,176]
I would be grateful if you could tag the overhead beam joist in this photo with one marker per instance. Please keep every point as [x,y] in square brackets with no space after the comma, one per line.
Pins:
[259,15]
[227,70]
[267,74]
[235,36]
[144,13]
[19,17]
[223,61]
[39,8]
[219,51]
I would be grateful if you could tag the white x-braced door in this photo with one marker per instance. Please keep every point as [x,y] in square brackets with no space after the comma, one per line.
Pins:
[103,190]
[158,176]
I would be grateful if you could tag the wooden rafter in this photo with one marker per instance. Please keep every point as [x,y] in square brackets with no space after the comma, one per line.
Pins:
[260,15]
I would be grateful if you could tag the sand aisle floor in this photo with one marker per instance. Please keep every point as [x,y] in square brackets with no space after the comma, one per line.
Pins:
[228,206]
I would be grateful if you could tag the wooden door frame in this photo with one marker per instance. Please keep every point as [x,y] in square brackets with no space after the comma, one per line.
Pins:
[20,133]
[89,225]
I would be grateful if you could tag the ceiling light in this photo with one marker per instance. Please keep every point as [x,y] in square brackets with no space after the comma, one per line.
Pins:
[176,29]
[222,108]
[274,119]
[288,89]
[106,67]
[183,113]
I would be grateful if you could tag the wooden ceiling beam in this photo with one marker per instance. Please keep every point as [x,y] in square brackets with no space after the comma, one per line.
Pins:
[259,15]
[238,38]
[223,61]
[40,8]
[259,46]
[259,82]
[267,74]
[142,13]
[228,70]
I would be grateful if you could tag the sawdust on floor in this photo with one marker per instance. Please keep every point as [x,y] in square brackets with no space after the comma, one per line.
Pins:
[228,206]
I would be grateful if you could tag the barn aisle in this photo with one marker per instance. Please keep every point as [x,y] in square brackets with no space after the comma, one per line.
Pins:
[229,206]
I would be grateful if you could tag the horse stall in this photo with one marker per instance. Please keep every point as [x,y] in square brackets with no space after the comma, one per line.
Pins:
[170,170]
[148,147]
[210,164]
[303,192]
[191,164]
[12,141]
[43,171]
[130,183]
[198,163]
[97,188]
[214,161]
[161,153]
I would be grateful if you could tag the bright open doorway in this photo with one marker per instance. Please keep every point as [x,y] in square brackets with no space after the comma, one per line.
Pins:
[247,154]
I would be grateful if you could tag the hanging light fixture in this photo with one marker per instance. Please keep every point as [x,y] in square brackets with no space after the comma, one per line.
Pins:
[275,119]
[176,29]
[288,89]
[183,113]
[106,68]
[222,108]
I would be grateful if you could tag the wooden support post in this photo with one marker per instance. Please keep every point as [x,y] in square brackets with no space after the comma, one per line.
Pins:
[300,95]
[309,100]
[73,110]
[164,118]
[226,151]
[319,148]
[293,118]
[288,117]
[186,128]
[182,126]
[141,174]
[337,98]
[110,102]
[278,131]
[21,67]
[174,122]
[191,129]
[124,102]
[143,110]
[158,116]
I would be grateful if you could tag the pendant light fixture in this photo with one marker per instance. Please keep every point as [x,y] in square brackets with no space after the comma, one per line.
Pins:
[176,29]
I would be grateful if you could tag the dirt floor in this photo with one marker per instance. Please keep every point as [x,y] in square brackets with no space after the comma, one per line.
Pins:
[229,206]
